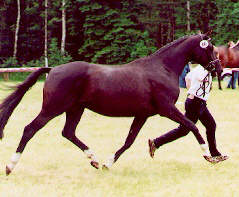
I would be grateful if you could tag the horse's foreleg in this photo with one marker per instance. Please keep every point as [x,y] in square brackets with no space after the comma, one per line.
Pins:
[219,83]
[29,132]
[134,130]
[72,119]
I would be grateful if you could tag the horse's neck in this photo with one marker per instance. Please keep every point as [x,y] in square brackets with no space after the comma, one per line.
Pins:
[176,58]
[233,57]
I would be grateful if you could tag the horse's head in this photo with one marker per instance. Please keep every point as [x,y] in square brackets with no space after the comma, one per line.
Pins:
[206,54]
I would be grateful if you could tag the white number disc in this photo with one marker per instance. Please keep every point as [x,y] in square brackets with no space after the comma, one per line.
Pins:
[204,44]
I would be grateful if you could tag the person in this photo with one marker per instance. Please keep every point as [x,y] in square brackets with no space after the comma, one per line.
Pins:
[199,83]
[199,31]
[231,44]
[232,83]
[182,82]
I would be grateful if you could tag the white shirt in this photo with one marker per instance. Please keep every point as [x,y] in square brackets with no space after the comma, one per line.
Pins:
[197,88]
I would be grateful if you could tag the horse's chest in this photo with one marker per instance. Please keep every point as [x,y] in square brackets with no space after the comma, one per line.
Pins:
[166,89]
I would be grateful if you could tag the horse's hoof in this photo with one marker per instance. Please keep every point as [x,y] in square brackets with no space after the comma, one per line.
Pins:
[105,167]
[152,148]
[8,170]
[95,164]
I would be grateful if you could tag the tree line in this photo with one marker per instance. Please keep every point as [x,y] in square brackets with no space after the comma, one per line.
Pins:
[34,33]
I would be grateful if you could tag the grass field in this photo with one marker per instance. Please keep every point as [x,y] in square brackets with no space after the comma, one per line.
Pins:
[53,166]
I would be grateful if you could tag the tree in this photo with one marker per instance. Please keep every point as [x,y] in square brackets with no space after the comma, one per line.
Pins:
[112,35]
[164,20]
[188,16]
[226,24]
[106,31]
[46,34]
[17,28]
[63,39]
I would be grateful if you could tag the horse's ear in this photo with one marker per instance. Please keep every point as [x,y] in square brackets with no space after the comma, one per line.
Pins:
[208,33]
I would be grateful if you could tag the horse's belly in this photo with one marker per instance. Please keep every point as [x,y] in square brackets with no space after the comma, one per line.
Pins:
[121,109]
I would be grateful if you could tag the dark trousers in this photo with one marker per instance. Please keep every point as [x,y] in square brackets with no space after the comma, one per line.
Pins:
[196,109]
[233,80]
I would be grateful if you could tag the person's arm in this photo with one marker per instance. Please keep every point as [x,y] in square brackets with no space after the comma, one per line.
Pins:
[216,50]
[188,79]
[200,74]
[231,44]
[188,82]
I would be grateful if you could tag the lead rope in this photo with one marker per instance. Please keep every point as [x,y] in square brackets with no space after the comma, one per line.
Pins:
[203,86]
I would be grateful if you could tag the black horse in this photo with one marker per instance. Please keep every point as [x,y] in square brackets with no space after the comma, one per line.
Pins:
[142,88]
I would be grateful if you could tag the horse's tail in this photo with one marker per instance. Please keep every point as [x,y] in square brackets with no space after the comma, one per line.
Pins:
[9,103]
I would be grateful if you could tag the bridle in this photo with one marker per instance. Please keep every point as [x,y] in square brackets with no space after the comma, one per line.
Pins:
[211,66]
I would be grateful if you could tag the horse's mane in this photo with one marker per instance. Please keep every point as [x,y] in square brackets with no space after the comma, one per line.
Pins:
[171,44]
[166,47]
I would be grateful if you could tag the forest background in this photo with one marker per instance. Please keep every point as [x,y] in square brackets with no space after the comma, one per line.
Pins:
[104,31]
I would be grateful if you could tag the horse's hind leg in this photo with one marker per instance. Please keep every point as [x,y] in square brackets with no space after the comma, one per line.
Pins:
[72,119]
[134,130]
[29,131]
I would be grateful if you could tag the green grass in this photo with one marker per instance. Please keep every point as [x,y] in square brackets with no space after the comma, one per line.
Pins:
[53,166]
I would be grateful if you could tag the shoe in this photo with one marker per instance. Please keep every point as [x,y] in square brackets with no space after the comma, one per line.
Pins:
[221,158]
[152,148]
[216,159]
